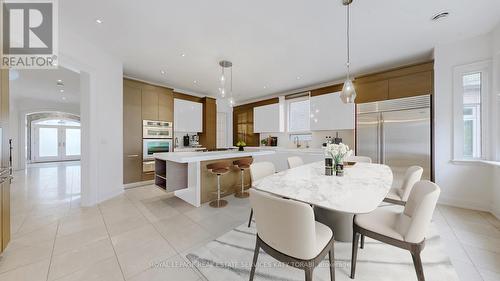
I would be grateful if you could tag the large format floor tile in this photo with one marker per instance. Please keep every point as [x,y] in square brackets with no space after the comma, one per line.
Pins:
[144,234]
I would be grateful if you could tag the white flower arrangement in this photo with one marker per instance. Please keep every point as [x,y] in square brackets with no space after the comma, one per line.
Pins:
[337,152]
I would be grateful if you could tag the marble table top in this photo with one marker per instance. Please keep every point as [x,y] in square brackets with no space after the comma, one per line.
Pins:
[362,188]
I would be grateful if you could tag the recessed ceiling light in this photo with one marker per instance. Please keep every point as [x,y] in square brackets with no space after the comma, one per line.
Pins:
[298,77]
[195,81]
[60,83]
[265,87]
[63,98]
[183,55]
[62,90]
[99,21]
[440,15]
[163,72]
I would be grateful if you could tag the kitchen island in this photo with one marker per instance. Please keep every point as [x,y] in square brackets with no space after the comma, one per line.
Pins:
[186,174]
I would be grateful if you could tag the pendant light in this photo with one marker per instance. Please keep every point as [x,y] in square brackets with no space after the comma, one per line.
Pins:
[348,94]
[223,91]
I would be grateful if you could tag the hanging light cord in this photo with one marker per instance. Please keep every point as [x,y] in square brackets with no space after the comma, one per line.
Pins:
[348,42]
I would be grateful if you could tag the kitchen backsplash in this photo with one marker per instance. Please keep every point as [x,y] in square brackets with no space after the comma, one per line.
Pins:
[318,138]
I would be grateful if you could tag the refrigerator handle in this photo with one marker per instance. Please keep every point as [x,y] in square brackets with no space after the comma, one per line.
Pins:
[382,139]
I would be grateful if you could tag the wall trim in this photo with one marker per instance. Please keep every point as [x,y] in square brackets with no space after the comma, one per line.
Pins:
[465,204]
[138,184]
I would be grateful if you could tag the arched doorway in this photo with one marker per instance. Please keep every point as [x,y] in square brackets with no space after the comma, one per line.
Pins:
[53,136]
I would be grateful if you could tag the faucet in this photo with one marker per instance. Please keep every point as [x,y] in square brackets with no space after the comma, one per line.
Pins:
[296,141]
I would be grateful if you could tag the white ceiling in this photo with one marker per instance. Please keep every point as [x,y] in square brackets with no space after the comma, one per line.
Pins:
[42,85]
[270,43]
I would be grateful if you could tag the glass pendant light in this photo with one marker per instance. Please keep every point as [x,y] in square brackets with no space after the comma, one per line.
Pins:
[348,94]
[223,82]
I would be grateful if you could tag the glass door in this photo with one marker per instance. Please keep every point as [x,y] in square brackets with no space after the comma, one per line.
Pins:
[56,143]
[47,144]
[71,143]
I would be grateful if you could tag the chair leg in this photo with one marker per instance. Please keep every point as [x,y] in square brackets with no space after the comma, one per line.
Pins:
[309,273]
[362,242]
[250,219]
[355,241]
[417,262]
[255,257]
[331,257]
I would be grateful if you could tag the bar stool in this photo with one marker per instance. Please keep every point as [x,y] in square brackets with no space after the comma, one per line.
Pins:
[243,164]
[219,169]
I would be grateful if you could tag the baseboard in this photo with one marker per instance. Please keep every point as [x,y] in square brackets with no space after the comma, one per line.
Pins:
[464,204]
[110,195]
[495,210]
[138,184]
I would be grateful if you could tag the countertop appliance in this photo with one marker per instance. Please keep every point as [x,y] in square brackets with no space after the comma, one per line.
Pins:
[396,133]
[186,140]
[156,129]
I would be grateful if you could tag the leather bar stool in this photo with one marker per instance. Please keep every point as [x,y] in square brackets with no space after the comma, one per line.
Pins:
[243,164]
[219,169]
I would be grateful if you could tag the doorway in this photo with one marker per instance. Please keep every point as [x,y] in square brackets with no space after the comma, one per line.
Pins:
[55,139]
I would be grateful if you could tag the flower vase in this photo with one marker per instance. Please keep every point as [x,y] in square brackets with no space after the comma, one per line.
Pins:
[241,148]
[339,169]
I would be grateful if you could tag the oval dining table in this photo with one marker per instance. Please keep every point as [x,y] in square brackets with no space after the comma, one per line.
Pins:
[335,199]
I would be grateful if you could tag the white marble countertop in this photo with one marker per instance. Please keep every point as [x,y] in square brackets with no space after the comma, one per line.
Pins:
[288,149]
[188,157]
[360,190]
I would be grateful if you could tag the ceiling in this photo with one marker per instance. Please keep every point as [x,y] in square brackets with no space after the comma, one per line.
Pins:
[42,85]
[275,46]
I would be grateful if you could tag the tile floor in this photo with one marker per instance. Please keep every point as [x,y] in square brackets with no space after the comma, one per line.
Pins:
[144,233]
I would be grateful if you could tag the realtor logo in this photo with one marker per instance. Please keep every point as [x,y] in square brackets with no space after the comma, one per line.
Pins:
[29,34]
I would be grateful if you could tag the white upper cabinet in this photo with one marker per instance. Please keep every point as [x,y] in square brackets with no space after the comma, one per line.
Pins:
[328,112]
[188,116]
[268,118]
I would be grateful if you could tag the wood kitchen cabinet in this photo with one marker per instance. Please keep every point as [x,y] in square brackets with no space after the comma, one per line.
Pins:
[5,214]
[141,101]
[411,85]
[132,134]
[402,82]
[165,105]
[372,91]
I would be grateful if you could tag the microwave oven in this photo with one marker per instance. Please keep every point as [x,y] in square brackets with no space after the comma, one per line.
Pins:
[152,146]
[156,129]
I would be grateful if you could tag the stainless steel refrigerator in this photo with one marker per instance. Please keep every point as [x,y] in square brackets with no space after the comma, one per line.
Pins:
[396,133]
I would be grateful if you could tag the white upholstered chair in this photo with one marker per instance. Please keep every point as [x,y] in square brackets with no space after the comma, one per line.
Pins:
[287,231]
[400,195]
[258,171]
[361,159]
[295,161]
[404,229]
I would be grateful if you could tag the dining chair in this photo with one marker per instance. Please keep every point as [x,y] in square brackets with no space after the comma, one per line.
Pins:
[258,171]
[294,161]
[361,159]
[405,229]
[399,195]
[287,231]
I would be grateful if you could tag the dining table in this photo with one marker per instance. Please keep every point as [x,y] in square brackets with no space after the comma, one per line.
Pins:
[335,199]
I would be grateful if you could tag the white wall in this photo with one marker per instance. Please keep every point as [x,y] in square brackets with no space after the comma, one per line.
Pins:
[101,91]
[469,185]
[18,110]
[223,106]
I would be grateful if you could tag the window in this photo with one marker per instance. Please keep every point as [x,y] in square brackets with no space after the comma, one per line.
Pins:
[300,137]
[470,94]
[298,115]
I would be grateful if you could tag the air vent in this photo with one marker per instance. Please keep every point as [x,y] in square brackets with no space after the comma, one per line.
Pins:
[440,16]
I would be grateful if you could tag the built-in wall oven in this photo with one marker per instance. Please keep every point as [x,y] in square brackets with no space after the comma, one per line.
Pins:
[156,138]
[156,129]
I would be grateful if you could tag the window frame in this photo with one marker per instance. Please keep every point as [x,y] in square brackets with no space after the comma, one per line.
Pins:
[483,67]
[288,112]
